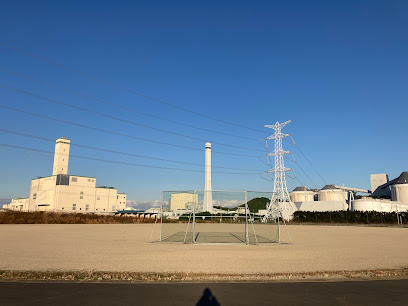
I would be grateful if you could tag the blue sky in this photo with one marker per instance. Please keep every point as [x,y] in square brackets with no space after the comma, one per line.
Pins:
[338,69]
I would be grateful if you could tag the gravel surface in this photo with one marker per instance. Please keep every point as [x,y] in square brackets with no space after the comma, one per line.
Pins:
[126,248]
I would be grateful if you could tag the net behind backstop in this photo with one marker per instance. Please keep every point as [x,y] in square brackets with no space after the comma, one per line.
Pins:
[236,217]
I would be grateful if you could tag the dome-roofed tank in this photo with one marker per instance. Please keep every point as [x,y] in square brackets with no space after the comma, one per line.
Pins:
[301,194]
[332,193]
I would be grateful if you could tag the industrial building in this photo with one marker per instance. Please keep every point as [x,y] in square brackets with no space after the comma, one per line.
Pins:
[183,201]
[329,198]
[68,193]
[386,196]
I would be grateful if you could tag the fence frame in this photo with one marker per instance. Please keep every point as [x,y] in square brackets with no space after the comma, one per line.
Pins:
[192,219]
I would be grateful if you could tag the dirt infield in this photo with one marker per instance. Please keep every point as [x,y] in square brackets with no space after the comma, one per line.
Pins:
[125,248]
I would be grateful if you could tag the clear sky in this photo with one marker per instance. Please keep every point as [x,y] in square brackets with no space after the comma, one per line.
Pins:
[338,69]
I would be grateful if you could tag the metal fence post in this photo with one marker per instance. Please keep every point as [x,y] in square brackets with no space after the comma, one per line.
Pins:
[161,218]
[194,208]
[246,219]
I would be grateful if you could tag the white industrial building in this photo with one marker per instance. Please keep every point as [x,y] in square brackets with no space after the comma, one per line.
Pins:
[68,193]
[387,196]
[329,198]
[183,201]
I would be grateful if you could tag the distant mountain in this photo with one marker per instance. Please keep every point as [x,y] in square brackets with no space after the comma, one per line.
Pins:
[256,204]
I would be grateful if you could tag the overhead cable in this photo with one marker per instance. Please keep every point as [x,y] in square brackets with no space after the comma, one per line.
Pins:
[89,97]
[117,118]
[117,162]
[301,152]
[119,152]
[112,132]
[123,88]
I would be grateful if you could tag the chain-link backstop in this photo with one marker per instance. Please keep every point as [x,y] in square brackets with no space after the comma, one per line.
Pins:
[233,217]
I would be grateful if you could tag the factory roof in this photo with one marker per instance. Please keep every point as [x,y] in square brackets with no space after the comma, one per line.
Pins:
[402,179]
[300,188]
[329,187]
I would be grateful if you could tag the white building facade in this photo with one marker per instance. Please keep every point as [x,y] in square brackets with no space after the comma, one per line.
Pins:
[68,193]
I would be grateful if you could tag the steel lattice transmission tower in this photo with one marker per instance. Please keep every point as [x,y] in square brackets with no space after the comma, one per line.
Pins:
[281,199]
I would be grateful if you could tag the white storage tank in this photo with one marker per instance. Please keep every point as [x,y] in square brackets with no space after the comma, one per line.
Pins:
[367,204]
[399,189]
[331,193]
[399,193]
[380,205]
[301,194]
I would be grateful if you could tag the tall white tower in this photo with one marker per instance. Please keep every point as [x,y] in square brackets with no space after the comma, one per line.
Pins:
[208,203]
[61,156]
[281,198]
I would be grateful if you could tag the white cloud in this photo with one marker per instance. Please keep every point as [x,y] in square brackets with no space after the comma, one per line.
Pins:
[143,205]
[228,203]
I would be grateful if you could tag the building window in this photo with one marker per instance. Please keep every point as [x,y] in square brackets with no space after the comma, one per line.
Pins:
[87,207]
[34,196]
[96,209]
[73,206]
[98,198]
[63,208]
[81,193]
[117,197]
[81,197]
[80,208]
[74,179]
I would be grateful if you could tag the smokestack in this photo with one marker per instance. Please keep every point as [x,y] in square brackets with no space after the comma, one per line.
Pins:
[208,203]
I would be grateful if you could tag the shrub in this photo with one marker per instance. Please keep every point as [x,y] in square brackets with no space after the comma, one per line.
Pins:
[358,217]
[42,217]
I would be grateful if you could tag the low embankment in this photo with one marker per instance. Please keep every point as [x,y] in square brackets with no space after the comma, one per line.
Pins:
[41,217]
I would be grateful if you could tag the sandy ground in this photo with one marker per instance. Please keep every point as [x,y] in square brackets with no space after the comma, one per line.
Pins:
[125,247]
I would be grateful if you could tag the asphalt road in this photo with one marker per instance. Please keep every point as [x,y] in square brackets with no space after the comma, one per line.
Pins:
[380,292]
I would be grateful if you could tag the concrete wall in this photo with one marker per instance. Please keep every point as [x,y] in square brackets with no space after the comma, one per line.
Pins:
[321,206]
[378,180]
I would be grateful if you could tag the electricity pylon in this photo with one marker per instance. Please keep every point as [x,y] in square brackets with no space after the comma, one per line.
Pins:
[280,201]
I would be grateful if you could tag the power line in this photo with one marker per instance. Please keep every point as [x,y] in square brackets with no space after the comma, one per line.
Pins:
[119,152]
[117,118]
[116,162]
[112,132]
[120,106]
[123,88]
[301,152]
[296,162]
